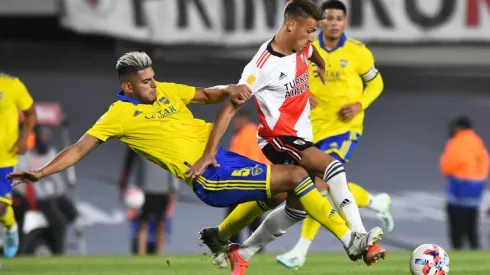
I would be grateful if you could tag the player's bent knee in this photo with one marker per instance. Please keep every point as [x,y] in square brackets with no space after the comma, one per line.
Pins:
[296,174]
[284,178]
[276,200]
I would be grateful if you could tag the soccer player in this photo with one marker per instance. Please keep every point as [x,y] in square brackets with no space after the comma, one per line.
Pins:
[278,77]
[337,118]
[153,119]
[14,97]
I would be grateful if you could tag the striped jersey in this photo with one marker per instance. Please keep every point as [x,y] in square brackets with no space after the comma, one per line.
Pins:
[281,90]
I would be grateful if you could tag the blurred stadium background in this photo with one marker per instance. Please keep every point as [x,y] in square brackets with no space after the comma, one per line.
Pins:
[434,56]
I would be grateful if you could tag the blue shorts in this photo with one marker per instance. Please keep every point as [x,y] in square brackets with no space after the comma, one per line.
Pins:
[5,185]
[237,180]
[339,146]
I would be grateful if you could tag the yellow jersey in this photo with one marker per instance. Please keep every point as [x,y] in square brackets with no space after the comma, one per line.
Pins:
[14,97]
[348,66]
[165,133]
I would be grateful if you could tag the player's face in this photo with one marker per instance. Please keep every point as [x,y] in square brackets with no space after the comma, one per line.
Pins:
[334,23]
[304,33]
[143,86]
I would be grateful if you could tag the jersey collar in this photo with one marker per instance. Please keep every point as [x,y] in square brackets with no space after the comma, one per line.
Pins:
[341,43]
[272,51]
[122,97]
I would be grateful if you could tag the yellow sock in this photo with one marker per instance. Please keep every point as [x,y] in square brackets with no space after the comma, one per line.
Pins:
[310,228]
[360,194]
[8,218]
[242,216]
[319,208]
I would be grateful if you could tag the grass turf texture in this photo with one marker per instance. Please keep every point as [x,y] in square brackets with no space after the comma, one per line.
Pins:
[464,263]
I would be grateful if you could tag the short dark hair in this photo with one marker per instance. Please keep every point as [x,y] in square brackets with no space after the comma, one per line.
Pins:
[462,122]
[132,62]
[333,5]
[303,9]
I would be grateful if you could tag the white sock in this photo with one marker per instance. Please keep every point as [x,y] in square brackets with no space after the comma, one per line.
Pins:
[302,246]
[342,197]
[374,205]
[274,225]
[346,238]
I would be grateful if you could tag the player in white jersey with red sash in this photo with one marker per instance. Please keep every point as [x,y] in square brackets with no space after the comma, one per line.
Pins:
[278,78]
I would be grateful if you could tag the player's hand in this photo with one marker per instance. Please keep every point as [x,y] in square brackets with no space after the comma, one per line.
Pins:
[349,111]
[20,147]
[320,72]
[313,102]
[240,93]
[196,170]
[25,177]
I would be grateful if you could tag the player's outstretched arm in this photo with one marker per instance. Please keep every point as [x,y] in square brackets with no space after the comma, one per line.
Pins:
[210,95]
[217,94]
[30,119]
[220,125]
[319,62]
[66,158]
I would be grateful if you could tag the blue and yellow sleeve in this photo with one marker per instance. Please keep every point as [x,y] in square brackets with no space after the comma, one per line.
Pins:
[108,126]
[371,77]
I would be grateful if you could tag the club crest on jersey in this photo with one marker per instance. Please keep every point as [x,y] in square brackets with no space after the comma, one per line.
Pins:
[257,171]
[164,100]
[343,63]
[299,142]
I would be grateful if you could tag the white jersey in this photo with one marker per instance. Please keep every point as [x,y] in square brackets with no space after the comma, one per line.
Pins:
[281,88]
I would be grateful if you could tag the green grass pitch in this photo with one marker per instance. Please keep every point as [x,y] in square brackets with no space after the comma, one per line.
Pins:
[462,263]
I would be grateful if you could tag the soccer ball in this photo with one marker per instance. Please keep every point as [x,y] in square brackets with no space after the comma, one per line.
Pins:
[134,198]
[429,259]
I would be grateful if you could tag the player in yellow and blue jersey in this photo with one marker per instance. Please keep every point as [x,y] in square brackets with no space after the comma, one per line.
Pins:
[14,97]
[153,119]
[337,116]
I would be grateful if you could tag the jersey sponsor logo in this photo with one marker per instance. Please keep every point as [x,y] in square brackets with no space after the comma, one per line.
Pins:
[164,100]
[332,75]
[298,86]
[137,112]
[160,114]
[282,76]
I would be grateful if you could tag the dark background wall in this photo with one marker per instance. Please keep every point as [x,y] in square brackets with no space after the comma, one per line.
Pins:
[405,131]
